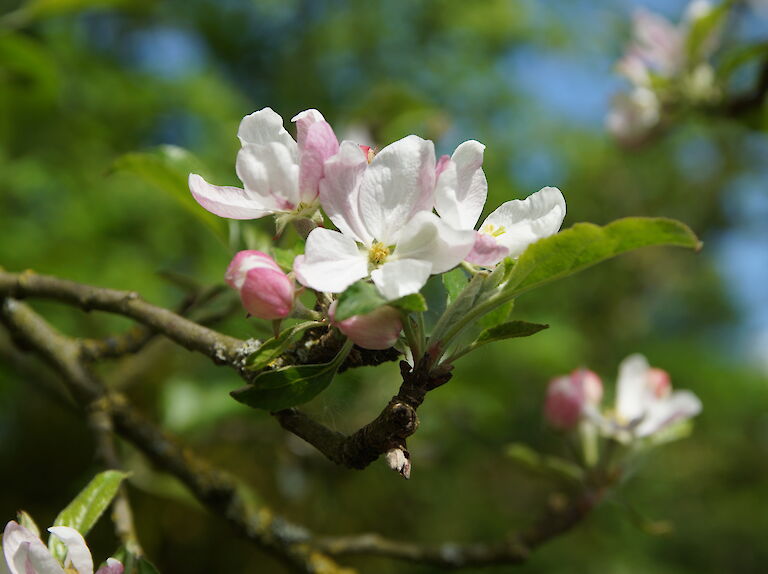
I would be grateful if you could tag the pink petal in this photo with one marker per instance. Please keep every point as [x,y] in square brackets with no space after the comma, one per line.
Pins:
[267,294]
[379,329]
[111,567]
[304,120]
[486,251]
[340,189]
[230,202]
[320,143]
[244,261]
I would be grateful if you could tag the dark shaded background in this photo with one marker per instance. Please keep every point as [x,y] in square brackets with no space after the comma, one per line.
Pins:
[82,83]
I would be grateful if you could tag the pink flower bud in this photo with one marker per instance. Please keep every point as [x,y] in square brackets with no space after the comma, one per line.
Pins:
[265,290]
[376,330]
[569,396]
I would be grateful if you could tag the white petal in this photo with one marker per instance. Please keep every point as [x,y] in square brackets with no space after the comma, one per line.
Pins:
[340,189]
[633,395]
[271,171]
[264,127]
[426,237]
[461,188]
[230,202]
[518,223]
[16,543]
[42,561]
[331,261]
[399,182]
[399,278]
[77,552]
[677,407]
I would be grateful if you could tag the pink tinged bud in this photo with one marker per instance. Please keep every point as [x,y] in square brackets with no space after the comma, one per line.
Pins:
[659,382]
[265,290]
[569,396]
[376,330]
[590,384]
[564,403]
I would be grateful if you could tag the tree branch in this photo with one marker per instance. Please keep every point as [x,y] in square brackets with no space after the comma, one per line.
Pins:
[215,489]
[190,335]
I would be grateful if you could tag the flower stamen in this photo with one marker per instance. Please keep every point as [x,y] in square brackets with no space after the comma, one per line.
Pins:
[378,253]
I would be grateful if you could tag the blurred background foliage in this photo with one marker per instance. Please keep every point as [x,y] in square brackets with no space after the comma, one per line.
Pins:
[85,82]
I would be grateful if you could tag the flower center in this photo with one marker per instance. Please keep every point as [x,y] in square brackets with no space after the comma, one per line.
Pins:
[368,151]
[378,253]
[492,230]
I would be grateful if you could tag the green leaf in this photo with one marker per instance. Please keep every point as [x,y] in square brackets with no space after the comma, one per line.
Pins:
[290,386]
[284,256]
[359,298]
[539,464]
[272,348]
[27,522]
[454,282]
[585,244]
[167,169]
[497,316]
[413,303]
[83,512]
[703,30]
[510,330]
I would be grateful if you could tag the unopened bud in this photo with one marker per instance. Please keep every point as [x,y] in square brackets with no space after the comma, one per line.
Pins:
[265,290]
[400,461]
[569,396]
[376,330]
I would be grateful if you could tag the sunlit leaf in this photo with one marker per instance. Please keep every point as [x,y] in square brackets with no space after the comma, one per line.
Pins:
[509,330]
[167,169]
[413,303]
[454,282]
[27,522]
[83,512]
[585,244]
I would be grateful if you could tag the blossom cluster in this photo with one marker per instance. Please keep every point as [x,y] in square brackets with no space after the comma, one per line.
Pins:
[665,64]
[401,215]
[645,403]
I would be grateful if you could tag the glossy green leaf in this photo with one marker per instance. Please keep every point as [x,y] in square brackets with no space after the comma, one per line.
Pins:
[83,512]
[585,244]
[454,282]
[497,316]
[704,30]
[272,348]
[413,303]
[359,298]
[509,330]
[290,386]
[167,169]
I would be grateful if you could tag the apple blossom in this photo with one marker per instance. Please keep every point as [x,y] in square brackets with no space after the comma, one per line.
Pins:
[25,553]
[265,290]
[460,195]
[645,402]
[279,175]
[387,231]
[379,329]
[633,115]
[570,397]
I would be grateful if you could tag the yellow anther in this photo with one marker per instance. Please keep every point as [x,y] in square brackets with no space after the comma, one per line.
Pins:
[492,230]
[378,253]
